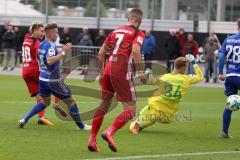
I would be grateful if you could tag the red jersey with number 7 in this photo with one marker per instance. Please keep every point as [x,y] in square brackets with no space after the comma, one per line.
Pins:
[119,44]
[29,55]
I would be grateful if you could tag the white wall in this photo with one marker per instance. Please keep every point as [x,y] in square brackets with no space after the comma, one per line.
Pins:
[111,23]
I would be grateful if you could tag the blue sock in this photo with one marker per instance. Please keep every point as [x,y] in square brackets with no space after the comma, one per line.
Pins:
[226,120]
[36,109]
[73,111]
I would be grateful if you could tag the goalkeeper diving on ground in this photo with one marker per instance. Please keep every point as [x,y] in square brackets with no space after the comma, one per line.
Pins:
[162,107]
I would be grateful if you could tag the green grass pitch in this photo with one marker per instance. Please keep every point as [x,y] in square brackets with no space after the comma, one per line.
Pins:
[196,130]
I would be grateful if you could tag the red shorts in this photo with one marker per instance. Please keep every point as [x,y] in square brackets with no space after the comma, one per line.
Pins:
[124,89]
[32,80]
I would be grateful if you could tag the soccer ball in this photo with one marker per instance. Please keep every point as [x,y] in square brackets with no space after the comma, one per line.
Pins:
[233,102]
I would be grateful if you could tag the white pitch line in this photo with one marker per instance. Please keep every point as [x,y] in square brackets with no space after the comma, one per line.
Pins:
[27,102]
[95,101]
[167,155]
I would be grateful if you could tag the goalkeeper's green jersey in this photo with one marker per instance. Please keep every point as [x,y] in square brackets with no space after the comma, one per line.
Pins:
[178,85]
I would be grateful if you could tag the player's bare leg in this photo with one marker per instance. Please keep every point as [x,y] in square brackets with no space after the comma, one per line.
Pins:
[96,124]
[58,108]
[42,120]
[122,119]
[74,113]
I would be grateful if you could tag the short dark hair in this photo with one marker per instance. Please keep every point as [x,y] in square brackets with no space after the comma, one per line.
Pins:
[238,22]
[85,34]
[35,26]
[180,62]
[50,26]
[136,14]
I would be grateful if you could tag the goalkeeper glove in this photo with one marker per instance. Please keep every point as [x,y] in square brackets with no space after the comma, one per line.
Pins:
[148,72]
[191,59]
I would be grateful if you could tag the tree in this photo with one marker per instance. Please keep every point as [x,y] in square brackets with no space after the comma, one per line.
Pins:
[39,5]
[91,9]
[34,3]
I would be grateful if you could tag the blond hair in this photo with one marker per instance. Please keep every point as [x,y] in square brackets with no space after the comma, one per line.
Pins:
[180,62]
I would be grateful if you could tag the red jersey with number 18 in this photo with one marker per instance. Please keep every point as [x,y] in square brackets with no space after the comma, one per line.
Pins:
[119,43]
[29,55]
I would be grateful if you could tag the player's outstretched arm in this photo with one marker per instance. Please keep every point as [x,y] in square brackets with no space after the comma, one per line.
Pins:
[221,66]
[198,76]
[136,52]
[53,59]
[222,61]
[101,58]
[164,86]
[151,80]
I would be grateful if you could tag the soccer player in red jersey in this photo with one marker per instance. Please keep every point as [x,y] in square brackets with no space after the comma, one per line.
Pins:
[30,67]
[29,33]
[124,45]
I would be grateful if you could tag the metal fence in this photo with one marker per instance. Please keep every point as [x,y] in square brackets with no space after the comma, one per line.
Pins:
[81,58]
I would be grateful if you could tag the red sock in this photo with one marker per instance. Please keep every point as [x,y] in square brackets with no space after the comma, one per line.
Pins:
[56,100]
[42,113]
[97,121]
[121,120]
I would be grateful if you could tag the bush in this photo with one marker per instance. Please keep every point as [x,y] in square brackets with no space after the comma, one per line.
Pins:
[91,9]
